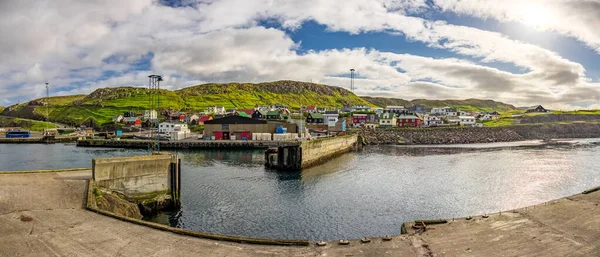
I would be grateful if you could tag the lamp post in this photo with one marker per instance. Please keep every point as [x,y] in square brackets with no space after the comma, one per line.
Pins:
[352,80]
[47,106]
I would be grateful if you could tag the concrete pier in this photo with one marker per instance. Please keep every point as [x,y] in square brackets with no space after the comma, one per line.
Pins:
[308,153]
[185,144]
[42,214]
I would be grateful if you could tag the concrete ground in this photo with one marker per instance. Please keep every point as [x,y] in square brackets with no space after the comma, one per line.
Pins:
[42,214]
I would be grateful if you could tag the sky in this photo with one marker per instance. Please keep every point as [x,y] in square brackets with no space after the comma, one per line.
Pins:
[519,52]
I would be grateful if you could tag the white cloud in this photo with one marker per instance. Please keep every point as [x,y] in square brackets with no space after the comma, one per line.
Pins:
[73,44]
[577,18]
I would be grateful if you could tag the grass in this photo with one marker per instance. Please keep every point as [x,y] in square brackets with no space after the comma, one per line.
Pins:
[32,125]
[502,122]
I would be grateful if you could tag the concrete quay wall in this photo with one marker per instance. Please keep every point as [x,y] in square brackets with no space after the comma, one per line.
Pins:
[196,144]
[134,176]
[320,150]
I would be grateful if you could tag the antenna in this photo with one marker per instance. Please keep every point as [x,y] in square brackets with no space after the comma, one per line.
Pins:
[47,105]
[154,97]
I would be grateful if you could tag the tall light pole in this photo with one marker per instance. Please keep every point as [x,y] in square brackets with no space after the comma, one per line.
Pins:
[47,105]
[154,94]
[352,80]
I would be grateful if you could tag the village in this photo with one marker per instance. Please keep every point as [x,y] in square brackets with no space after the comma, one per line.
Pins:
[278,122]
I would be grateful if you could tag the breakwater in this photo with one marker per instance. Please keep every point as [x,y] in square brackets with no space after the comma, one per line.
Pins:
[469,135]
[196,144]
[37,140]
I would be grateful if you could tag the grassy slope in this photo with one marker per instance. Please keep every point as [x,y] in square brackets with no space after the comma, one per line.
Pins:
[246,95]
[33,125]
[468,104]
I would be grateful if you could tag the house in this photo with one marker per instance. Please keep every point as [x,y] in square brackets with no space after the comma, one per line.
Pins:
[310,108]
[238,127]
[117,118]
[395,109]
[417,109]
[371,125]
[259,114]
[409,120]
[218,110]
[315,118]
[248,112]
[128,114]
[376,110]
[176,131]
[177,117]
[203,119]
[331,117]
[242,114]
[133,121]
[191,118]
[466,120]
[280,106]
[387,119]
[432,120]
[358,119]
[361,108]
[321,109]
[373,118]
[538,108]
[443,111]
[489,116]
[273,115]
[150,115]
[339,126]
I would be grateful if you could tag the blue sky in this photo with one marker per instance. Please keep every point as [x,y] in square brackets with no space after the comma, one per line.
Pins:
[519,52]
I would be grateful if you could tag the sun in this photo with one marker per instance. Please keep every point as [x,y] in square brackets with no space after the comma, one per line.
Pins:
[535,15]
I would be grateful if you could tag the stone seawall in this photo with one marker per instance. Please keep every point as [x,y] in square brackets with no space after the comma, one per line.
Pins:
[320,150]
[468,135]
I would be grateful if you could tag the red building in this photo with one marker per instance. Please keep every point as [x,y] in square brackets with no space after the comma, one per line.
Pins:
[177,117]
[358,119]
[133,121]
[409,120]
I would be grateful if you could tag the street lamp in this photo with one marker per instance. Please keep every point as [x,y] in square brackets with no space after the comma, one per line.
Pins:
[47,105]
[352,80]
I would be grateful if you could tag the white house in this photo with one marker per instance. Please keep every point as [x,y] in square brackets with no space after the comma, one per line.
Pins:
[444,111]
[150,115]
[466,120]
[395,108]
[117,118]
[177,131]
[432,120]
[387,119]
[377,110]
[218,110]
[330,118]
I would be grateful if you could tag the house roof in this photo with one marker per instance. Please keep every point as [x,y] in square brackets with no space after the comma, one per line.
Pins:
[408,116]
[316,115]
[262,112]
[332,112]
[204,118]
[242,114]
[235,120]
[273,113]
[381,116]
[247,111]
[131,119]
[311,107]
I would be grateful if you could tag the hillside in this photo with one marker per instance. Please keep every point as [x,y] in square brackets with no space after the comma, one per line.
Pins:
[468,104]
[246,95]
[101,105]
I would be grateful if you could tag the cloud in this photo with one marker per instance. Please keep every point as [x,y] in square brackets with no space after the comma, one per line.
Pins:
[576,18]
[80,46]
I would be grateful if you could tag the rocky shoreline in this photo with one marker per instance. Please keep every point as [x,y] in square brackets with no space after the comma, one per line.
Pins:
[469,135]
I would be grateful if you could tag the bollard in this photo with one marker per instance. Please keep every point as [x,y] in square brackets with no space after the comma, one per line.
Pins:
[344,242]
[321,243]
[387,238]
[365,240]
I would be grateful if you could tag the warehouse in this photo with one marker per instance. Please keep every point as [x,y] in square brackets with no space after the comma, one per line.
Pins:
[241,128]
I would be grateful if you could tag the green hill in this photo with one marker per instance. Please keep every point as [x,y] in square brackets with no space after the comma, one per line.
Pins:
[101,105]
[245,95]
[468,104]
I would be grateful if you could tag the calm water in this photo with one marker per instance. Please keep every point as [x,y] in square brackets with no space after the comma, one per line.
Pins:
[368,193]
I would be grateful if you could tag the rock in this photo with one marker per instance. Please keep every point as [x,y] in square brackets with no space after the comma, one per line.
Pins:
[115,204]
